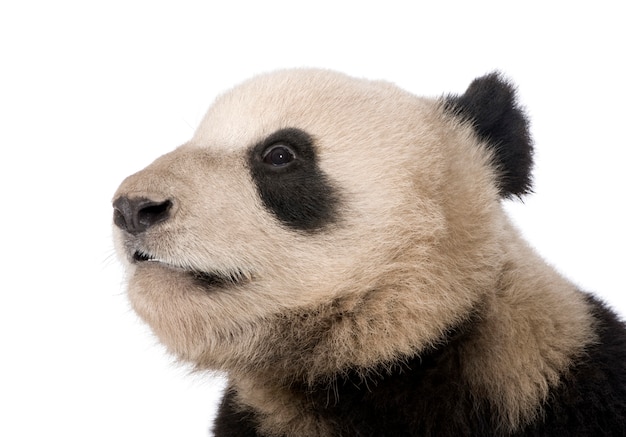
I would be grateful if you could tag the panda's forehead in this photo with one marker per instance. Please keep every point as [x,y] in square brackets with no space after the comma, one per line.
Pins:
[314,101]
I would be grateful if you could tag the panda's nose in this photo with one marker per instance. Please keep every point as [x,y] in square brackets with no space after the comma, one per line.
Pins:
[135,215]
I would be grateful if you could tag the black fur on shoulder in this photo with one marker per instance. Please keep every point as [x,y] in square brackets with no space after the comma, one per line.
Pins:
[489,104]
[591,398]
[232,420]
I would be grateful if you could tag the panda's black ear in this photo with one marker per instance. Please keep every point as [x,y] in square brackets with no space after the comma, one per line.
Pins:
[489,105]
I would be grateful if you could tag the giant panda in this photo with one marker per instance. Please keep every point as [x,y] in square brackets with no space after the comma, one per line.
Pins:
[338,247]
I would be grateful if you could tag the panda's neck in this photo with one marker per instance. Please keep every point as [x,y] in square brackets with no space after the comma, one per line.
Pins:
[505,356]
[344,403]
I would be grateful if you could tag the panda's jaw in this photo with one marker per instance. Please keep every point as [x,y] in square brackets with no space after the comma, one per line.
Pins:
[210,280]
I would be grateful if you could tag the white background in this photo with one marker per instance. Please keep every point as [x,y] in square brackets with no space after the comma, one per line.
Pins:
[93,91]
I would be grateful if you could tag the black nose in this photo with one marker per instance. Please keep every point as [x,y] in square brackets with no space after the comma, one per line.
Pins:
[138,214]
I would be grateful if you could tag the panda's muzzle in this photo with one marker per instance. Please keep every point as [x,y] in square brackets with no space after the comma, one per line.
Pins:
[137,215]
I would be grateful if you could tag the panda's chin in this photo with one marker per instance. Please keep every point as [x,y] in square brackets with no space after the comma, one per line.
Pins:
[206,279]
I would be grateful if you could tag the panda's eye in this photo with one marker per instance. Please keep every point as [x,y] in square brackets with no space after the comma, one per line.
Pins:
[278,155]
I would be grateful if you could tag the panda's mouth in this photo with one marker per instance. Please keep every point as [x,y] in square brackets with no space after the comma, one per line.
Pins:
[211,279]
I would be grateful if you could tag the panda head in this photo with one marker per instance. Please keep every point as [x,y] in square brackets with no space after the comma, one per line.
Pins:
[317,222]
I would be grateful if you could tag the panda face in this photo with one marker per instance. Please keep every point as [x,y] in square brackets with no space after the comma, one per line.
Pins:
[311,214]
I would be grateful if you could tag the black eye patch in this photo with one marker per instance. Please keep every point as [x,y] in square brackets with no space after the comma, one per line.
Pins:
[290,183]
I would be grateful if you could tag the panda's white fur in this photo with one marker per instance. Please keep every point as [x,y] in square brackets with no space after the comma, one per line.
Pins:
[420,245]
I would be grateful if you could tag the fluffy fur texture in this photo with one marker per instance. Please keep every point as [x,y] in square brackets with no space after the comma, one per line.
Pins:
[339,248]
